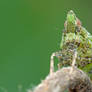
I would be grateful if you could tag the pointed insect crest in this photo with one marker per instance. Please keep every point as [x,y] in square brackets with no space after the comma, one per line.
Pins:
[71,17]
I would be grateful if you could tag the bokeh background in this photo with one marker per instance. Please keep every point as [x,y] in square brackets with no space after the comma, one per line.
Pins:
[30,30]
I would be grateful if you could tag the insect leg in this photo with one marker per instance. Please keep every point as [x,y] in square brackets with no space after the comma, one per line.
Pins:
[59,56]
[74,59]
[52,63]
[74,62]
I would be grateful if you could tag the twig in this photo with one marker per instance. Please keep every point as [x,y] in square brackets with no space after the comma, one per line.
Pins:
[61,80]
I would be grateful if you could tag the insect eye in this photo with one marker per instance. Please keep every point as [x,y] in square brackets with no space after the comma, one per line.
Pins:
[78,22]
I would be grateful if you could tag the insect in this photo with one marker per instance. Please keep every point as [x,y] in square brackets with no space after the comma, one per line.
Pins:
[75,38]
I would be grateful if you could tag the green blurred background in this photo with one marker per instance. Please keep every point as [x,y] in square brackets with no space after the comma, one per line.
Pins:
[30,30]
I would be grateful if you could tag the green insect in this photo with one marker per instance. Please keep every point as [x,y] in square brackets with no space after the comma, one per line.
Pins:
[75,38]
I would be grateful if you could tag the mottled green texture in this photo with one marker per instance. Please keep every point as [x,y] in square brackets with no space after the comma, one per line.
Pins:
[76,38]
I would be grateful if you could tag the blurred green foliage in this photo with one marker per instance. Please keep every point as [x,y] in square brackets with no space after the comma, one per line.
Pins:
[30,30]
